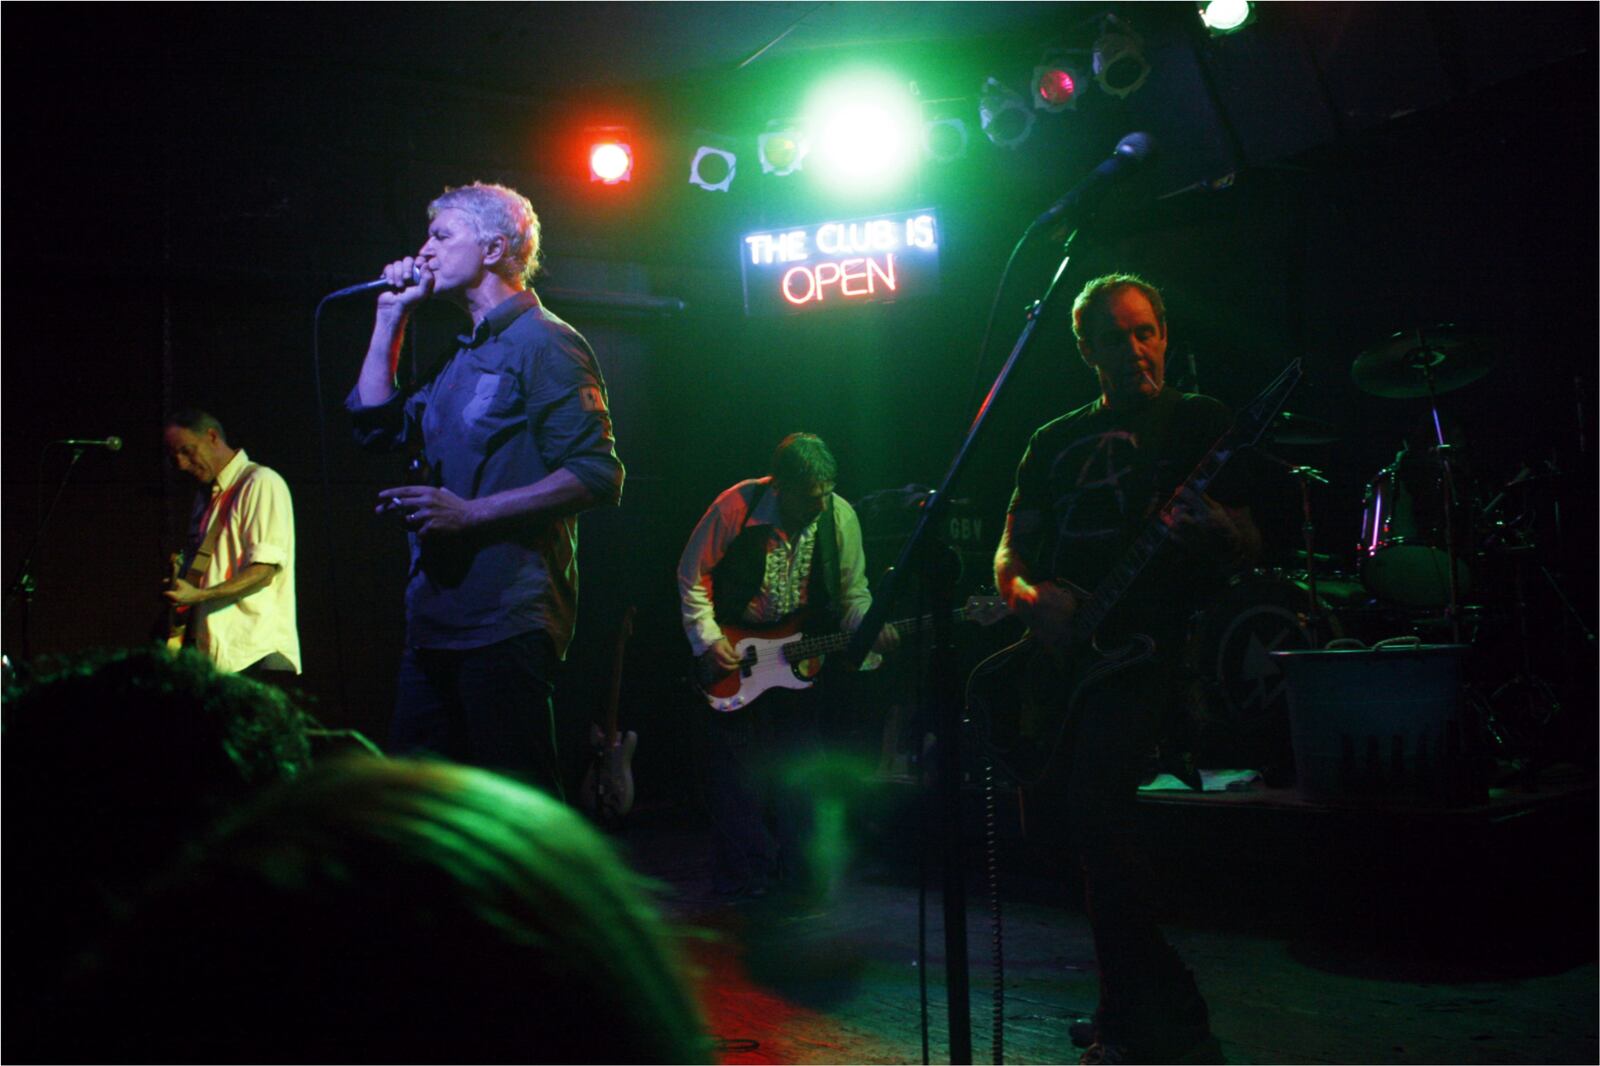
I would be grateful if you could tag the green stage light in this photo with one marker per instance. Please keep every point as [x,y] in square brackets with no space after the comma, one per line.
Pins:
[1227,16]
[867,133]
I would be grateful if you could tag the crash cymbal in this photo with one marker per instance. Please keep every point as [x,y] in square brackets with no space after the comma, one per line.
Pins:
[1400,368]
[1290,428]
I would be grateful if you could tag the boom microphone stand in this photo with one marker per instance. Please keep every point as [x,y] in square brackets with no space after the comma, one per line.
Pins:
[943,683]
[23,585]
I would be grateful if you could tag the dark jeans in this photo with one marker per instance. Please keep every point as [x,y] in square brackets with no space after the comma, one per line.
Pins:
[487,707]
[1148,998]
[761,816]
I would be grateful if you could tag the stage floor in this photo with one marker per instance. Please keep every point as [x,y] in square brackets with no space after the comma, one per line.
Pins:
[1436,953]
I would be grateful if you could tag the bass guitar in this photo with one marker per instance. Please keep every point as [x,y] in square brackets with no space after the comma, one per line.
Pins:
[607,790]
[783,655]
[1079,662]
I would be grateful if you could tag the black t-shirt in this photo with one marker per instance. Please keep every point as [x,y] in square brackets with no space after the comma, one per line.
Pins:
[1093,479]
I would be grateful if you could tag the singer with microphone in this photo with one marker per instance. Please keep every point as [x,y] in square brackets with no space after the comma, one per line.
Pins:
[233,594]
[515,437]
[1088,486]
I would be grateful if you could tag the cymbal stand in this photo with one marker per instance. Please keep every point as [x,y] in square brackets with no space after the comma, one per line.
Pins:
[1304,476]
[1425,359]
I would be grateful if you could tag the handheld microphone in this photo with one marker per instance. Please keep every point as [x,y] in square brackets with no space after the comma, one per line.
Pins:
[1130,151]
[110,444]
[374,286]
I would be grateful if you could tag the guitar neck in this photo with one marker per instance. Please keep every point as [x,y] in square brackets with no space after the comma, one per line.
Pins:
[1246,430]
[828,643]
[1109,592]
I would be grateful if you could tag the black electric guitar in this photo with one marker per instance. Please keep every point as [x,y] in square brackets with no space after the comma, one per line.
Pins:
[607,791]
[1058,677]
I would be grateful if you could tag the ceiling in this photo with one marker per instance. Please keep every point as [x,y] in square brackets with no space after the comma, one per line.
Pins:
[536,48]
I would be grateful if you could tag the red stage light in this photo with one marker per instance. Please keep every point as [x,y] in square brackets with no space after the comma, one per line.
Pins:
[610,162]
[1056,88]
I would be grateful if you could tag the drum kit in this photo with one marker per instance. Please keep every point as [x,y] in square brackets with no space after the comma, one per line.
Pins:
[1423,546]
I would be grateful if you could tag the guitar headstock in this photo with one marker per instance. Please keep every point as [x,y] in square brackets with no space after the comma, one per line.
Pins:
[985,610]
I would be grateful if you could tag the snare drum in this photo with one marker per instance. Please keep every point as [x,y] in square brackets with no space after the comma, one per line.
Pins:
[1402,548]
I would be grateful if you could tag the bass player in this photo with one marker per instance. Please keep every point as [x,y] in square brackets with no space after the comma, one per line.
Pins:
[766,550]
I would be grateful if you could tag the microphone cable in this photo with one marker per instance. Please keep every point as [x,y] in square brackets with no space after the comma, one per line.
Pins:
[331,543]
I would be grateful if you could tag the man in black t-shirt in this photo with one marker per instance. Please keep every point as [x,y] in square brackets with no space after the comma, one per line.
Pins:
[1088,485]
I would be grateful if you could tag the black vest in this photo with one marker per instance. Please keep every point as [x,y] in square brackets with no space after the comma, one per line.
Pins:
[736,579]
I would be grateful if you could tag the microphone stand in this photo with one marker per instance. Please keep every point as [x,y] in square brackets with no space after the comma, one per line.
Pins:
[943,683]
[23,585]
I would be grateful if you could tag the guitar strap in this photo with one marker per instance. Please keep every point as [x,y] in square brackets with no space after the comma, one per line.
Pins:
[200,562]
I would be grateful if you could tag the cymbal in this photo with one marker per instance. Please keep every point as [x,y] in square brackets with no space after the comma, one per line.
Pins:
[1400,367]
[1290,428]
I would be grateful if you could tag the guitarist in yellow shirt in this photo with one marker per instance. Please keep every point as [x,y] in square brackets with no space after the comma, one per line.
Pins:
[234,592]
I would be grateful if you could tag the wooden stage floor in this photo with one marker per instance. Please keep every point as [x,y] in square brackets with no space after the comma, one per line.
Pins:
[1316,935]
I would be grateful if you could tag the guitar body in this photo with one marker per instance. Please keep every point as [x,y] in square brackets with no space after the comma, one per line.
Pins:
[763,664]
[607,790]
[782,655]
[174,623]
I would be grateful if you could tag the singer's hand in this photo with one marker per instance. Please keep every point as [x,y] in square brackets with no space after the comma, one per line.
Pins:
[401,274]
[428,511]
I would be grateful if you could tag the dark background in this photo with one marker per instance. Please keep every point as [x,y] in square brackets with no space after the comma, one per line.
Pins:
[184,184]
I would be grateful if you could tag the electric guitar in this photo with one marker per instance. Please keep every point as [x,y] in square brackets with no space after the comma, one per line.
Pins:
[607,790]
[783,655]
[176,623]
[1080,663]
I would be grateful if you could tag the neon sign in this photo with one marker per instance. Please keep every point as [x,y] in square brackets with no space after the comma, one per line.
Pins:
[841,263]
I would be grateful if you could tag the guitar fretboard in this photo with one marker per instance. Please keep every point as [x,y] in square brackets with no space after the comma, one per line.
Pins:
[1246,430]
[811,647]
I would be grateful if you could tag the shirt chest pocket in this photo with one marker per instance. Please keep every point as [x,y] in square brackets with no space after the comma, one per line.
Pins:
[492,405]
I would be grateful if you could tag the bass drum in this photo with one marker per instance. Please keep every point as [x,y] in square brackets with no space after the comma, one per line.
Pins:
[1239,699]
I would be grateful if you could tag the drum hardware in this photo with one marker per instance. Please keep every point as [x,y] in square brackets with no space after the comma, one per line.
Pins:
[1304,476]
[1293,429]
[1426,363]
[1523,707]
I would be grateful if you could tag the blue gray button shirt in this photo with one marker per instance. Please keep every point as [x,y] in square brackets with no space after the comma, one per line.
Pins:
[523,396]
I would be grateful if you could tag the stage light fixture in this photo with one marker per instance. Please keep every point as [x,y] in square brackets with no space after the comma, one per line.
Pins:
[1119,63]
[1222,17]
[610,162]
[944,140]
[712,168]
[782,150]
[1006,120]
[1055,86]
[866,132]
